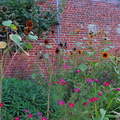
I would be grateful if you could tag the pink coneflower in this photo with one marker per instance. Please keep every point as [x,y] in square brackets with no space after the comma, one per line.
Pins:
[106,90]
[76,89]
[71,105]
[65,66]
[93,99]
[62,80]
[60,102]
[89,80]
[106,83]
[78,71]
[30,116]
[44,118]
[96,80]
[78,84]
[83,76]
[85,103]
[112,81]
[118,89]
[99,93]
[61,83]
[40,114]
[26,111]
[1,104]
[52,83]
[17,118]
[71,113]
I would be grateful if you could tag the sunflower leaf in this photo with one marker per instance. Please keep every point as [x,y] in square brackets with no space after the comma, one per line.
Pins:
[83,67]
[106,49]
[3,44]
[7,23]
[13,27]
[32,37]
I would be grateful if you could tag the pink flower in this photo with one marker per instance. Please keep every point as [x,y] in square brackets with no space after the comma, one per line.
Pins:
[30,116]
[60,102]
[106,90]
[96,80]
[61,83]
[93,99]
[78,71]
[118,89]
[65,66]
[112,81]
[17,118]
[40,115]
[85,103]
[71,113]
[1,104]
[106,83]
[78,84]
[99,93]
[76,89]
[26,111]
[89,80]
[62,80]
[52,83]
[44,118]
[71,105]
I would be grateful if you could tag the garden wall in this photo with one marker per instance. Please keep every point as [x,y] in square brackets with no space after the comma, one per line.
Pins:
[86,15]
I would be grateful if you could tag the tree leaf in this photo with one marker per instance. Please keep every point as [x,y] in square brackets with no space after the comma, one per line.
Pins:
[7,23]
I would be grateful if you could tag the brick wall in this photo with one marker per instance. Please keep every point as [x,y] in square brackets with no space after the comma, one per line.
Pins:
[78,14]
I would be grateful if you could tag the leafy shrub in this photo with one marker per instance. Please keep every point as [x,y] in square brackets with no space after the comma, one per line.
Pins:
[24,10]
[20,95]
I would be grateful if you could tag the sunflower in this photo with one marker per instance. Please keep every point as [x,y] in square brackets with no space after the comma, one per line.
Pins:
[57,50]
[105,55]
[71,53]
[74,49]
[116,58]
[27,30]
[91,36]
[46,42]
[4,9]
[90,42]
[29,24]
[79,51]
[4,28]
[77,31]
[61,44]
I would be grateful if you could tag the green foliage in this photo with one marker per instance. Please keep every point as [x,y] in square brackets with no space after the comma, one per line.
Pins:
[20,95]
[21,11]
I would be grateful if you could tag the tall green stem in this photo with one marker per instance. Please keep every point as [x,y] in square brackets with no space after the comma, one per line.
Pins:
[49,81]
